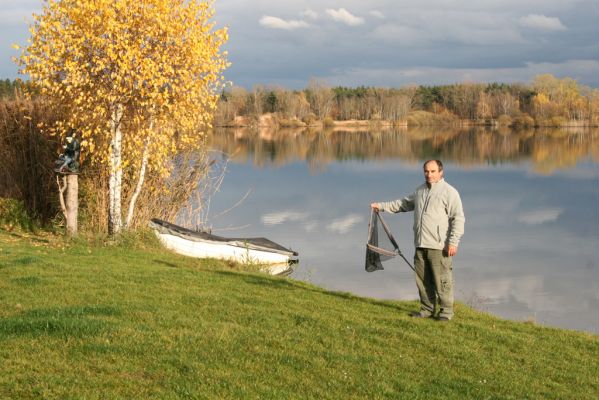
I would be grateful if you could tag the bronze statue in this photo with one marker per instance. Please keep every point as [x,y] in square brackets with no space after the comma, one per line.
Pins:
[68,161]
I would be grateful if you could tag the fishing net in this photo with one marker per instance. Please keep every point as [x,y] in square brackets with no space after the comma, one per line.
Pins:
[381,245]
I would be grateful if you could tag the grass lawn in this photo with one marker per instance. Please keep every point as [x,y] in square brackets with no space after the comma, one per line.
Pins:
[81,320]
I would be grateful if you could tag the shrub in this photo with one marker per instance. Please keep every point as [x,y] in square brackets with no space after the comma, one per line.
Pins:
[13,213]
[557,121]
[310,119]
[425,118]
[291,123]
[504,120]
[523,121]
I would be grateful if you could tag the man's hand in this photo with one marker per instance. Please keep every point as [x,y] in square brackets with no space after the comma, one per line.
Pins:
[451,250]
[374,206]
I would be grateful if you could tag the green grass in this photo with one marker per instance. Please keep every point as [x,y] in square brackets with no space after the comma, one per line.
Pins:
[123,321]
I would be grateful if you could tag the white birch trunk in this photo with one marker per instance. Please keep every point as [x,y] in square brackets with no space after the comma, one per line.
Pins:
[140,181]
[115,222]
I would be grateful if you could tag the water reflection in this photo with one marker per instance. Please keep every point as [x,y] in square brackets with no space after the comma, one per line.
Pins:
[530,198]
[547,149]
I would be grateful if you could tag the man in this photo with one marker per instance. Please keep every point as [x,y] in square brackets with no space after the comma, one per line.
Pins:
[438,227]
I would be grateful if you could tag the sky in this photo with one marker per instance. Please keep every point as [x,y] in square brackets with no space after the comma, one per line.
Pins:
[385,43]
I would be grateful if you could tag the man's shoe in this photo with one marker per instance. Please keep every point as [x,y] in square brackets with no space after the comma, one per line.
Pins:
[417,314]
[443,319]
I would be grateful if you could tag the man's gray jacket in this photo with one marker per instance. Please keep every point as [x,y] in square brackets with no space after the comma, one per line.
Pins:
[438,214]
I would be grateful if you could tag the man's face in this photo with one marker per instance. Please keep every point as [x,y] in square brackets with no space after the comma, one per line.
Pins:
[432,173]
[69,139]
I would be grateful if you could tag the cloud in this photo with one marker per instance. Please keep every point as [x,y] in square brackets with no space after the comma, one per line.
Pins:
[277,218]
[402,35]
[542,22]
[345,224]
[310,226]
[541,216]
[310,13]
[344,16]
[377,14]
[461,29]
[277,23]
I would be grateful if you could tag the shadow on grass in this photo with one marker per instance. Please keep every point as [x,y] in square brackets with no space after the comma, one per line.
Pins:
[32,238]
[62,322]
[27,281]
[288,284]
[20,262]
[166,263]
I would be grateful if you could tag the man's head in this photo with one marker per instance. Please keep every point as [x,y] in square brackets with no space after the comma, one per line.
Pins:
[433,171]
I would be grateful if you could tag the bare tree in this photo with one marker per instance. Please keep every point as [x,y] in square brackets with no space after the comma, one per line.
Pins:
[321,97]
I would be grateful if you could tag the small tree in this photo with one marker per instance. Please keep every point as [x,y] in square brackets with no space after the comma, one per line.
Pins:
[140,79]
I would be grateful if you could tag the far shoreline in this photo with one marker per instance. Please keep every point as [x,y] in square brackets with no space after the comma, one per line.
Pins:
[418,119]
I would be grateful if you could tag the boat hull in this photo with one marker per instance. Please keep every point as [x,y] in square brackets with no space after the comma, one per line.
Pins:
[181,241]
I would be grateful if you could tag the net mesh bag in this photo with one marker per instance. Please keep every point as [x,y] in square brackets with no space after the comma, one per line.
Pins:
[381,245]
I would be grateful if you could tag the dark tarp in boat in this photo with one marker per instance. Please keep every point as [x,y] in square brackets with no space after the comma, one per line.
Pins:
[381,246]
[252,243]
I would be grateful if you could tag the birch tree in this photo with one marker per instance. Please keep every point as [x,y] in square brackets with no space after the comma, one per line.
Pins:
[140,79]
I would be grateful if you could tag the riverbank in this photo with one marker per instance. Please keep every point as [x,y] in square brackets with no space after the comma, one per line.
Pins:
[126,319]
[413,119]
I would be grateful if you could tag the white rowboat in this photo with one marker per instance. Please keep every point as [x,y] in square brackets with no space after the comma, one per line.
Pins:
[243,250]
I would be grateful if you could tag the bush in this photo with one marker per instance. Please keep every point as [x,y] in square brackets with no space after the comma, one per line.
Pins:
[13,213]
[557,121]
[504,120]
[328,122]
[27,156]
[310,119]
[425,118]
[291,123]
[523,121]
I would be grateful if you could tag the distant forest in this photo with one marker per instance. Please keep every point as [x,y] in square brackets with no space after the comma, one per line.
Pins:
[547,101]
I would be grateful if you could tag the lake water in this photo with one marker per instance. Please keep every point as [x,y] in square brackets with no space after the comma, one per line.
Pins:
[530,249]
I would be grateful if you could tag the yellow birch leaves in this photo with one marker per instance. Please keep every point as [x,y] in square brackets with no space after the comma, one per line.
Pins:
[160,59]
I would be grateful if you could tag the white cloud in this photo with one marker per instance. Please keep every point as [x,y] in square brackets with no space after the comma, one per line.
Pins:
[278,23]
[377,14]
[344,16]
[310,226]
[541,216]
[277,218]
[345,224]
[542,22]
[310,13]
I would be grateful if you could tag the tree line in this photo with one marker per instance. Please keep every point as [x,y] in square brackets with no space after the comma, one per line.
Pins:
[12,89]
[548,100]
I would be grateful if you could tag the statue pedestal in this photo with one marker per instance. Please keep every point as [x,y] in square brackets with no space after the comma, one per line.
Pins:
[69,204]
[72,203]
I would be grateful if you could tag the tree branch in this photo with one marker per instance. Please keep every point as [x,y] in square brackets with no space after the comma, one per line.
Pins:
[140,182]
[61,190]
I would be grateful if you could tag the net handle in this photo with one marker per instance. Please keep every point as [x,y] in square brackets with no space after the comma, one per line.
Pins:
[388,232]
